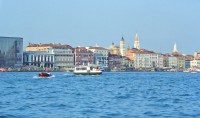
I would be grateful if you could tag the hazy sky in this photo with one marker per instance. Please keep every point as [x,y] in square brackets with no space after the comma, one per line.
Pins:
[159,23]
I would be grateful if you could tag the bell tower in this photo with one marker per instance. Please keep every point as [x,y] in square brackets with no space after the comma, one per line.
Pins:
[122,47]
[175,49]
[137,42]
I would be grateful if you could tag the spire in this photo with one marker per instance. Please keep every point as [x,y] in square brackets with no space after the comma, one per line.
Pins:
[136,37]
[122,38]
[175,49]
[137,42]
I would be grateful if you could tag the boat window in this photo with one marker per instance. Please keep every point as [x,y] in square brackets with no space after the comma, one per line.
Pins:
[84,68]
[81,68]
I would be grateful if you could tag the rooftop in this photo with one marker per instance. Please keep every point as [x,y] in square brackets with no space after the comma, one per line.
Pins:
[98,48]
[54,45]
[10,37]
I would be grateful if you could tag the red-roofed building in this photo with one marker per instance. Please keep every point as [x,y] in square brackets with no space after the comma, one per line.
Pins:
[83,56]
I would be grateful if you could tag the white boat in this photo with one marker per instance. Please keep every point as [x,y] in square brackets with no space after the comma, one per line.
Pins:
[193,71]
[186,71]
[87,70]
[198,70]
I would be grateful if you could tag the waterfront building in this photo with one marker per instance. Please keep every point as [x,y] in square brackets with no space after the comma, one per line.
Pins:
[181,62]
[160,63]
[173,61]
[187,64]
[137,42]
[176,61]
[114,62]
[188,58]
[83,56]
[180,58]
[56,57]
[100,55]
[63,56]
[11,51]
[114,49]
[43,47]
[130,53]
[147,59]
[196,55]
[122,47]
[166,60]
[42,59]
[195,63]
[127,64]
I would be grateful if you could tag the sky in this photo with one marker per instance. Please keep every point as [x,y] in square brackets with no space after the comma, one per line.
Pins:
[159,23]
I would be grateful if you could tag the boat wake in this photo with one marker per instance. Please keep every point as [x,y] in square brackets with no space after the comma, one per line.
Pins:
[69,74]
[37,77]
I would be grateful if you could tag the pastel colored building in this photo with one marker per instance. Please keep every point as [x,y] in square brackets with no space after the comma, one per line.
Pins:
[196,55]
[195,63]
[147,59]
[58,57]
[173,61]
[114,49]
[100,55]
[114,62]
[83,56]
[130,53]
[40,47]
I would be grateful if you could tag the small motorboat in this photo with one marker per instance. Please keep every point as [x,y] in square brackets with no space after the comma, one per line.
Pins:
[44,74]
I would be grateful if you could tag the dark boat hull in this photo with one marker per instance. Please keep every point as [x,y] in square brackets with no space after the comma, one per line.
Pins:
[44,75]
[87,73]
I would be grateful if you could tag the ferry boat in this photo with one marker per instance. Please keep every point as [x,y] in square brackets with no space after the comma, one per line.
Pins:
[44,74]
[87,70]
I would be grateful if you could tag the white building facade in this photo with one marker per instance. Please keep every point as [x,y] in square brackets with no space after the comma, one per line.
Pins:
[147,60]
[54,57]
[173,61]
[195,63]
[122,47]
[100,55]
[63,57]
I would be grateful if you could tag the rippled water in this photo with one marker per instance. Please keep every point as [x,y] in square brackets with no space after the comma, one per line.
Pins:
[110,95]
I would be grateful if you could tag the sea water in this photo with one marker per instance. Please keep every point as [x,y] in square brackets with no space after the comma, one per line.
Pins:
[110,95]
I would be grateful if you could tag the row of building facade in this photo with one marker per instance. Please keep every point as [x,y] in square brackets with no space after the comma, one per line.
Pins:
[115,58]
